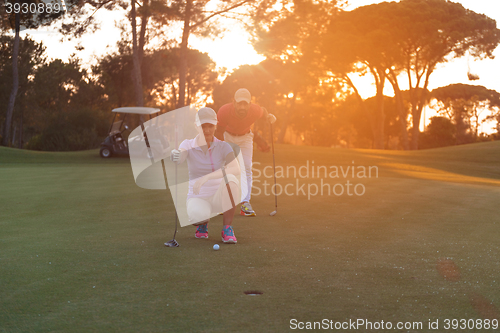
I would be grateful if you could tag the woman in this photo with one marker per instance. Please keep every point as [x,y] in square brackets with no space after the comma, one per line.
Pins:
[213,177]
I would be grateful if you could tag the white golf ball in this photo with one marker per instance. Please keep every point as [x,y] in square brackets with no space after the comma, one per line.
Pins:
[216,247]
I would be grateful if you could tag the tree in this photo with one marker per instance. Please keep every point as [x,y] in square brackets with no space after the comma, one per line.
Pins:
[287,35]
[160,77]
[359,41]
[68,108]
[82,21]
[353,125]
[195,18]
[463,104]
[15,82]
[409,37]
[439,133]
[430,32]
[31,55]
[17,19]
[354,128]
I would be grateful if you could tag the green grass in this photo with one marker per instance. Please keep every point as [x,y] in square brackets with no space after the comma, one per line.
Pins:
[81,246]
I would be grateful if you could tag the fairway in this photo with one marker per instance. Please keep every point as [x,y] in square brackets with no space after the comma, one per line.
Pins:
[81,245]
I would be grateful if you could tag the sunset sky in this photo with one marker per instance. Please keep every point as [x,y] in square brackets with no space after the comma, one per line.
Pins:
[234,49]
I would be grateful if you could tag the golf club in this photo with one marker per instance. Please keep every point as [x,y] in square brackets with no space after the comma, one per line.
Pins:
[173,242]
[227,186]
[274,172]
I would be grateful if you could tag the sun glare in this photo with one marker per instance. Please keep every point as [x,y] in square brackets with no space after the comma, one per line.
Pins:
[230,51]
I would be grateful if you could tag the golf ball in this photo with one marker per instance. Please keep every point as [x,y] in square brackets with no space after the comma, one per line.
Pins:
[216,247]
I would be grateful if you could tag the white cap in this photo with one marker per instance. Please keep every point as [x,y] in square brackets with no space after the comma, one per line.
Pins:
[242,95]
[207,116]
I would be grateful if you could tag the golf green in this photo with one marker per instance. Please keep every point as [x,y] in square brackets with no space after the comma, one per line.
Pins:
[408,237]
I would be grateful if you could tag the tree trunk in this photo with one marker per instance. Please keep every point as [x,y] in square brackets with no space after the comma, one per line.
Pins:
[142,34]
[401,111]
[181,101]
[476,130]
[188,92]
[139,96]
[378,134]
[417,116]
[174,95]
[21,130]
[284,122]
[461,126]
[13,141]
[402,120]
[15,85]
[418,106]
[362,105]
[415,131]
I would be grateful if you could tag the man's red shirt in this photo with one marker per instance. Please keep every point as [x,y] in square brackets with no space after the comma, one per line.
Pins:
[228,120]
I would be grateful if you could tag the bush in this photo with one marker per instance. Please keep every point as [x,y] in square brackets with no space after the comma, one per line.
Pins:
[440,133]
[56,140]
[78,130]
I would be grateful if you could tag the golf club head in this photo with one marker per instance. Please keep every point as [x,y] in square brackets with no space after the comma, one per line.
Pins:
[273,213]
[172,243]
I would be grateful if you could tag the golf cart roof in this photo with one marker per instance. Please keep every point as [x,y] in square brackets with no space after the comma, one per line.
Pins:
[137,110]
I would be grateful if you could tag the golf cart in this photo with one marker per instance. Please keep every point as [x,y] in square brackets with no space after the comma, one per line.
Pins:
[115,144]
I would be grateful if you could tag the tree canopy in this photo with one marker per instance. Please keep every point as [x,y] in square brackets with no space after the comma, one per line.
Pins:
[405,40]
[312,48]
[463,104]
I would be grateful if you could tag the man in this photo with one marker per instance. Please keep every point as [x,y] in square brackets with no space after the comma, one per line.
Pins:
[235,120]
